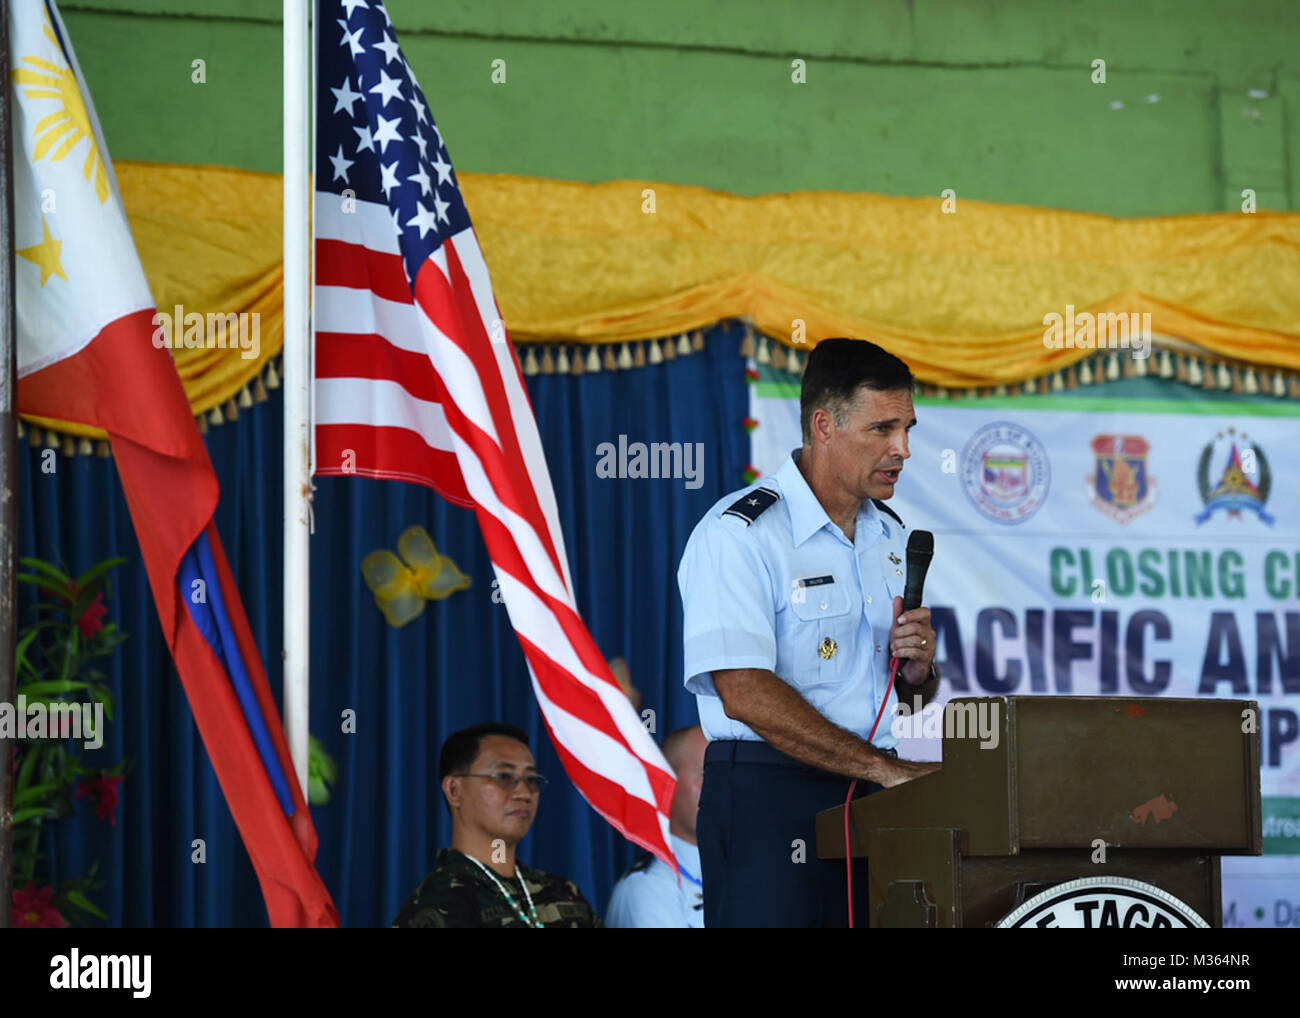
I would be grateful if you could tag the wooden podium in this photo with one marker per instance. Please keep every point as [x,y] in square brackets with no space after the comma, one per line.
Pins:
[1168,785]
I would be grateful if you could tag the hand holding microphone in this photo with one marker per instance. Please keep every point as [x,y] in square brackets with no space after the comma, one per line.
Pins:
[911,638]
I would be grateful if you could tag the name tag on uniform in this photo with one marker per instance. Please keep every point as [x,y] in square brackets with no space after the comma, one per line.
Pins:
[814,581]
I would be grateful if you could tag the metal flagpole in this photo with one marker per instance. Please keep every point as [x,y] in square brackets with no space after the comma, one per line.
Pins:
[8,469]
[297,383]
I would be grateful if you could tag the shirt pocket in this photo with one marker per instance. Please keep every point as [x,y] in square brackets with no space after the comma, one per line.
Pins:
[824,632]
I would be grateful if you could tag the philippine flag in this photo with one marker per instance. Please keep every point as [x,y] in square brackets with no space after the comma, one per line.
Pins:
[86,353]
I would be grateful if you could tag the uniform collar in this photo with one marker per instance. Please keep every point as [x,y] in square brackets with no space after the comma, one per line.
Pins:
[688,855]
[806,513]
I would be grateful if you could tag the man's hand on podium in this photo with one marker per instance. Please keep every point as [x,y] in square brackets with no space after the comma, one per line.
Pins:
[900,771]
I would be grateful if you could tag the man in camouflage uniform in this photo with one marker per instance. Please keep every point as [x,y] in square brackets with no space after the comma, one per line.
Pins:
[491,786]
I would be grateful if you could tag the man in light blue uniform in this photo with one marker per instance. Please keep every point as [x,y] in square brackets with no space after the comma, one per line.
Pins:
[649,894]
[791,594]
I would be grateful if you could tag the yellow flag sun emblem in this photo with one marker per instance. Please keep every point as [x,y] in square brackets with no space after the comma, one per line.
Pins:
[69,124]
[827,649]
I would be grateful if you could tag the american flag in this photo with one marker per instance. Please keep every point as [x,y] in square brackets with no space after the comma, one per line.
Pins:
[416,380]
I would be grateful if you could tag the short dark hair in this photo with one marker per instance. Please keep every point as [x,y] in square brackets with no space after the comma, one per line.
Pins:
[462,748]
[837,368]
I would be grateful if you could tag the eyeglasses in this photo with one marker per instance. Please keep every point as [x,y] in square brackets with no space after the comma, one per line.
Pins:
[508,781]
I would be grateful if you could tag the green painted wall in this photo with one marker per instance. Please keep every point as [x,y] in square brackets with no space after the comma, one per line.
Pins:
[992,98]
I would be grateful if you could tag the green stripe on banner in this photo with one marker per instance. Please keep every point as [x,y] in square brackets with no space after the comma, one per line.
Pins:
[1281,825]
[777,390]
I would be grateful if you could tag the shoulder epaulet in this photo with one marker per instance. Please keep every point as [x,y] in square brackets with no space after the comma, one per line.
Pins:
[752,504]
[885,509]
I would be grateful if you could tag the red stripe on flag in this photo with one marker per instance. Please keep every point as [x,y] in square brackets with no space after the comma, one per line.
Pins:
[633,818]
[447,303]
[352,355]
[582,702]
[357,267]
[390,454]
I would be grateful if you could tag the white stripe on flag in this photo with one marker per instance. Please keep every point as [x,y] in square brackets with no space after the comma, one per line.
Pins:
[594,749]
[359,312]
[369,224]
[380,403]
[538,624]
[530,442]
[458,375]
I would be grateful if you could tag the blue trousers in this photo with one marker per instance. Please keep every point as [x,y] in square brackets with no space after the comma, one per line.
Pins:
[758,843]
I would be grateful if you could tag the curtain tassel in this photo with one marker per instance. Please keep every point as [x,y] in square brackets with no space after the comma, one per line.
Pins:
[669,348]
[764,356]
[779,357]
[747,343]
[625,358]
[638,356]
[610,362]
[272,377]
[697,340]
[103,450]
[684,345]
[655,356]
[530,362]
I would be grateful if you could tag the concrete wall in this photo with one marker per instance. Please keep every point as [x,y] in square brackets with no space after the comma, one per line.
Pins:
[992,98]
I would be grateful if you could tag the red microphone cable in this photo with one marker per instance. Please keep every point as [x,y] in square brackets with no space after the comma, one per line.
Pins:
[848,854]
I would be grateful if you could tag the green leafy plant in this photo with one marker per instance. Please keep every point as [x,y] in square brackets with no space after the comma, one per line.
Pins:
[322,771]
[57,654]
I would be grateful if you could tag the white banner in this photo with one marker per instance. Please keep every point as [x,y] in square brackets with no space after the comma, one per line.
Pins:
[1113,547]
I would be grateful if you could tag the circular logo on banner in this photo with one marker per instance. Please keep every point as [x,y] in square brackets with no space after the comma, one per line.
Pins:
[1005,472]
[1100,903]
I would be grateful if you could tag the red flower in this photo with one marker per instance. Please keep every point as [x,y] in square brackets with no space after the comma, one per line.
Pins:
[102,791]
[32,909]
[90,623]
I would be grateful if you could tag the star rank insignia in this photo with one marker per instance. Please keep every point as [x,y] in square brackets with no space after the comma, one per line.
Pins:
[827,649]
[894,558]
[752,505]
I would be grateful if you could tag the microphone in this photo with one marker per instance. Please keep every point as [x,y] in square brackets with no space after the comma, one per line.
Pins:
[920,549]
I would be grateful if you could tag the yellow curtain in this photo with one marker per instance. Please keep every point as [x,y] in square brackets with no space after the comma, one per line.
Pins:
[960,295]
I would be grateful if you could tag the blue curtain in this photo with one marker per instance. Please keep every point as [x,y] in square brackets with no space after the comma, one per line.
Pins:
[456,665]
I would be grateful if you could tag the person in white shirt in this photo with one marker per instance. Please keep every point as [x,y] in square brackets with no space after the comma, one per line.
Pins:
[648,895]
